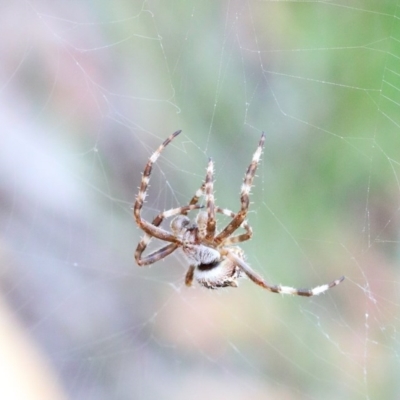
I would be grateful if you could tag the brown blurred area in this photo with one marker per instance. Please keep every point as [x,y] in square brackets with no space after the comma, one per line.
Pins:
[25,372]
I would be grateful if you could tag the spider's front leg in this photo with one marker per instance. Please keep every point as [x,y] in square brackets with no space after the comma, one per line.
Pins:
[210,201]
[206,221]
[244,195]
[147,227]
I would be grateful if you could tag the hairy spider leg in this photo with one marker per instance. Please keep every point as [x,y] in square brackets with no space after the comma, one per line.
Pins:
[256,278]
[237,238]
[197,195]
[230,240]
[207,224]
[147,227]
[244,195]
[210,201]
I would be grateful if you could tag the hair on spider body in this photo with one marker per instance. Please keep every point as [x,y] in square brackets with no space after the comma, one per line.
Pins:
[213,256]
[218,274]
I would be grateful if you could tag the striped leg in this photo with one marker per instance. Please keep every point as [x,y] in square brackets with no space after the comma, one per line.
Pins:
[200,192]
[156,255]
[244,195]
[237,238]
[197,195]
[210,202]
[206,221]
[256,278]
[147,227]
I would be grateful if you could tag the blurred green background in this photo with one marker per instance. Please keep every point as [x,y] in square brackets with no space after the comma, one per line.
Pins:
[88,92]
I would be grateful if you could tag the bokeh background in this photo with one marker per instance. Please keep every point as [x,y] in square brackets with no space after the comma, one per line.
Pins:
[88,92]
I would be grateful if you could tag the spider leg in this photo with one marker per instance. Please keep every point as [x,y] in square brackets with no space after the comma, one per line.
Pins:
[244,195]
[256,278]
[207,220]
[165,251]
[147,227]
[198,194]
[157,255]
[210,202]
[189,275]
[195,199]
[237,238]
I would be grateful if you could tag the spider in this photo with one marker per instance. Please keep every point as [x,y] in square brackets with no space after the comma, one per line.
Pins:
[213,259]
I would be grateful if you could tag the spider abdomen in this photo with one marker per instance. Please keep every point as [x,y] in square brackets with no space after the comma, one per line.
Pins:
[200,254]
[217,274]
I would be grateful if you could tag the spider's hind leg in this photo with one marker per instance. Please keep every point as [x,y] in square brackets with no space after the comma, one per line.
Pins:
[260,281]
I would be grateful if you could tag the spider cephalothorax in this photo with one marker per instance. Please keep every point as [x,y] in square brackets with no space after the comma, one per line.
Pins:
[213,259]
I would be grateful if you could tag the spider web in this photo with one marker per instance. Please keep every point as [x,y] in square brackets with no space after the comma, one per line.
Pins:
[88,92]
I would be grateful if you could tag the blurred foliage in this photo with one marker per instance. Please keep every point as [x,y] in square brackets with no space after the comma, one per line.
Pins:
[89,92]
